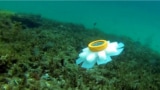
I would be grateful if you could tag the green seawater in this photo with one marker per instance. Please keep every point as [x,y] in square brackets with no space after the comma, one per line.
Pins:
[41,53]
[136,19]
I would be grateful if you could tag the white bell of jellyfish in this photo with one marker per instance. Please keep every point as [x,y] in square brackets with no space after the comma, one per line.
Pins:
[100,52]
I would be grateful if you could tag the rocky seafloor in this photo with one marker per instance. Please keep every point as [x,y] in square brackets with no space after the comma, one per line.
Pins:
[39,54]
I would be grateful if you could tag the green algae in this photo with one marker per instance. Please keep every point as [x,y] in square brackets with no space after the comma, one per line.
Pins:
[42,56]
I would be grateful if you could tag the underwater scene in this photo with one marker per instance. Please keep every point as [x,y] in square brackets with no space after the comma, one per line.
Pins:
[79,45]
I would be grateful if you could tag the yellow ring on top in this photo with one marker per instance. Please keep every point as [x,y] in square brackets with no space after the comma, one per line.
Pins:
[97,45]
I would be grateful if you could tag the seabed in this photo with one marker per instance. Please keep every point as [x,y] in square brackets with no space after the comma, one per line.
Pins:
[37,53]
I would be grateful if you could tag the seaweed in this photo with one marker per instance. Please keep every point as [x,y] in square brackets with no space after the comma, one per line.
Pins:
[39,54]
